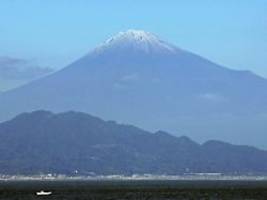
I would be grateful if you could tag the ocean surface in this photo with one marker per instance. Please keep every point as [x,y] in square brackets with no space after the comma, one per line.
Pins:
[138,189]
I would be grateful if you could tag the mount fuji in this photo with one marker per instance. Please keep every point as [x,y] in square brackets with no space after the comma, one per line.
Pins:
[136,78]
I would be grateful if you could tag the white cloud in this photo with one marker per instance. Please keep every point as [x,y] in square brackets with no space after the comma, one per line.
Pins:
[214,97]
[16,72]
[126,81]
[19,69]
[130,77]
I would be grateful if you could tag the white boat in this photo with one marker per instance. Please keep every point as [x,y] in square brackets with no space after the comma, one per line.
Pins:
[43,193]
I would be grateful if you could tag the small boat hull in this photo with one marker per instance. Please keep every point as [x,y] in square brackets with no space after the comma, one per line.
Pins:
[43,193]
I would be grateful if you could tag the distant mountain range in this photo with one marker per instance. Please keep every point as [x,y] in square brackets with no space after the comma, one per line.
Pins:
[74,142]
[136,78]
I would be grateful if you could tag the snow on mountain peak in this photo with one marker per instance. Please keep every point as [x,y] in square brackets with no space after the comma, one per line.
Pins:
[135,35]
[137,40]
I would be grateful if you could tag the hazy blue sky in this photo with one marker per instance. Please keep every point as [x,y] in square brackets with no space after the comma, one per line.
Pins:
[55,32]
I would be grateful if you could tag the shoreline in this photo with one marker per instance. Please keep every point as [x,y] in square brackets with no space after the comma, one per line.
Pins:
[134,178]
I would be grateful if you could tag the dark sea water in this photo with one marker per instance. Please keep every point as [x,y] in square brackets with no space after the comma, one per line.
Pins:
[120,190]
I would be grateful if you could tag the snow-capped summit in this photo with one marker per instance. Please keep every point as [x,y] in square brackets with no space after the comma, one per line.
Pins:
[137,40]
[136,35]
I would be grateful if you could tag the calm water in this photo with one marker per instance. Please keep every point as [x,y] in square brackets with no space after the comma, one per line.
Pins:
[83,190]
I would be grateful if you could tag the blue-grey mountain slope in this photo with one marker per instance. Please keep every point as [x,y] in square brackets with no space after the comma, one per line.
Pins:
[43,142]
[137,78]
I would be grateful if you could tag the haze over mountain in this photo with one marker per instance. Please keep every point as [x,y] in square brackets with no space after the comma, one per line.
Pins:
[134,77]
[15,72]
[65,143]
